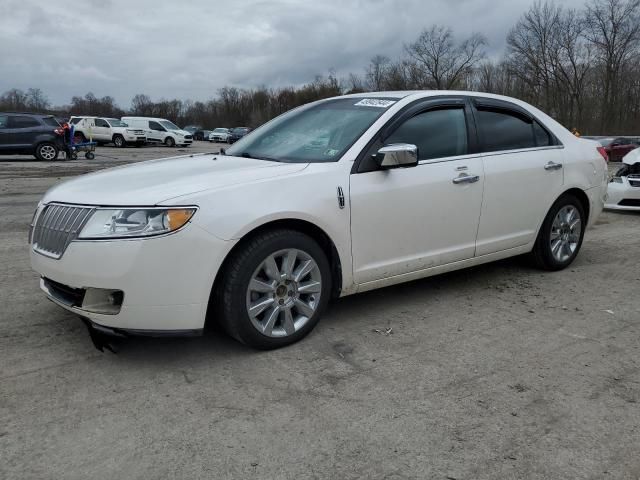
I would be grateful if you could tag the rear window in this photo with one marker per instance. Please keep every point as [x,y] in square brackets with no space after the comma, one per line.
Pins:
[75,121]
[50,122]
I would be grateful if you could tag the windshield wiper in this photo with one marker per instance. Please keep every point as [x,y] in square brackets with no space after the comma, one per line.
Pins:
[248,155]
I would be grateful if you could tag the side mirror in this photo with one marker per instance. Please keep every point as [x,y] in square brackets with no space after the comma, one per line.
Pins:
[397,155]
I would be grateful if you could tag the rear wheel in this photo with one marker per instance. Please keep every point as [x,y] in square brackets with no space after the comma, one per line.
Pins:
[46,152]
[78,137]
[275,289]
[170,142]
[118,141]
[561,234]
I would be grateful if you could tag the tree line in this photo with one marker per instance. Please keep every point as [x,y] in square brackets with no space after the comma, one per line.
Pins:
[581,66]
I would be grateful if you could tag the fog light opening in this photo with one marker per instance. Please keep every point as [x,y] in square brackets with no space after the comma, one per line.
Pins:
[103,301]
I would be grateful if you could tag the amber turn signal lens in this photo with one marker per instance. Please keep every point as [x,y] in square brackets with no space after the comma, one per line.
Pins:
[177,218]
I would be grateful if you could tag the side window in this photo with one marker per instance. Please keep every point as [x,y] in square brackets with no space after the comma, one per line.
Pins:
[22,121]
[436,133]
[504,130]
[3,121]
[156,126]
[543,139]
[101,123]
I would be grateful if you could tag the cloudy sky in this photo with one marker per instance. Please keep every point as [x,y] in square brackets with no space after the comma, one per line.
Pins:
[189,49]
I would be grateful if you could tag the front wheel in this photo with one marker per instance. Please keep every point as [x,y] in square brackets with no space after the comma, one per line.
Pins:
[561,234]
[170,142]
[118,141]
[275,289]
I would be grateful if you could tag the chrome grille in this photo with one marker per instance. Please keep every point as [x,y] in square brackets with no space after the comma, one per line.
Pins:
[56,227]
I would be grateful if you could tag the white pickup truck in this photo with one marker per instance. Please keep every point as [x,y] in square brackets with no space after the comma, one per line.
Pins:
[107,130]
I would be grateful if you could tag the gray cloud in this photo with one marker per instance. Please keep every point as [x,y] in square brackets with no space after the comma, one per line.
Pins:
[191,49]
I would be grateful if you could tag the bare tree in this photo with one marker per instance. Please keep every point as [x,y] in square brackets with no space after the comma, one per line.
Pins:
[443,61]
[613,28]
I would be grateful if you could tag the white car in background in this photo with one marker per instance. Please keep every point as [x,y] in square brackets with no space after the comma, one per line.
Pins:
[333,198]
[624,188]
[220,135]
[106,130]
[161,130]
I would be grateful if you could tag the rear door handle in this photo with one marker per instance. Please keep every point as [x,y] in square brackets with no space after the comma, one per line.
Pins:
[464,178]
[553,166]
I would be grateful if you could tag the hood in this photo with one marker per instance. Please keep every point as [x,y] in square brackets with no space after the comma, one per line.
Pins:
[156,181]
[181,132]
[632,157]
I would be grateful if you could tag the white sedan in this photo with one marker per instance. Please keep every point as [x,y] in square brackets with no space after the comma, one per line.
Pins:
[220,135]
[333,198]
[624,188]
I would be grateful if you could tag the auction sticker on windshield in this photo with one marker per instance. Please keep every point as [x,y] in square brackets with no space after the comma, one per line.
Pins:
[374,102]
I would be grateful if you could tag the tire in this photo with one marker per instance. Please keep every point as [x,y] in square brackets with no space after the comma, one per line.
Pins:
[89,156]
[78,137]
[169,142]
[46,152]
[558,243]
[290,322]
[118,141]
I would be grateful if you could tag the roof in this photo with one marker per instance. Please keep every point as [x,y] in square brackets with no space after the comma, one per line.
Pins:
[28,113]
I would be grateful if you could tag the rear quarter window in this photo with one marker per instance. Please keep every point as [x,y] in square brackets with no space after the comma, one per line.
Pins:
[50,122]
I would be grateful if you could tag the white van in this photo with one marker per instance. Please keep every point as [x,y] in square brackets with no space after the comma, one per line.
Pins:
[160,130]
[107,130]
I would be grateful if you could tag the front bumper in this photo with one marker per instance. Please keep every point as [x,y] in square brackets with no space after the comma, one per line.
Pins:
[166,281]
[135,139]
[622,196]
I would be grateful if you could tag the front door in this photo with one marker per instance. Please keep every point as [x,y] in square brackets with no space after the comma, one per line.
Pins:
[410,219]
[156,132]
[101,130]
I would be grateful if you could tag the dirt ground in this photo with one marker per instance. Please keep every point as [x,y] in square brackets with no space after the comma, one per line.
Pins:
[498,372]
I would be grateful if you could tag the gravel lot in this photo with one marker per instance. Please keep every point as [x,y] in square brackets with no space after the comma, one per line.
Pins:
[500,371]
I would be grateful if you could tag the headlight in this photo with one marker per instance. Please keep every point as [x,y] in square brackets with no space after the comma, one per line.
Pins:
[616,180]
[135,222]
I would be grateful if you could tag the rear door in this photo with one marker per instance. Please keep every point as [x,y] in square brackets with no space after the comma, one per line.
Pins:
[23,130]
[523,168]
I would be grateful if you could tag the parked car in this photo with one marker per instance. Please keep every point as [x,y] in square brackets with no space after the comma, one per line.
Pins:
[30,134]
[409,185]
[160,130]
[220,135]
[201,134]
[624,188]
[107,130]
[192,128]
[237,133]
[618,147]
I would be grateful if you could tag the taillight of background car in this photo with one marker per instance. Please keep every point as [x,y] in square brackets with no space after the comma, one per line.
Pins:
[603,152]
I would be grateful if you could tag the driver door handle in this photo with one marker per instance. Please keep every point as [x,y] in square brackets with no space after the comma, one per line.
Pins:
[553,166]
[464,178]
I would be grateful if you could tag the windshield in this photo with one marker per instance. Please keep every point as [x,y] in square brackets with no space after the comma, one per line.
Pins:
[114,122]
[317,133]
[605,142]
[168,125]
[220,130]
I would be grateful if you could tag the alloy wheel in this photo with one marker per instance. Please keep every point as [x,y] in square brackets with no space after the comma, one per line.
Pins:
[47,152]
[565,233]
[284,293]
